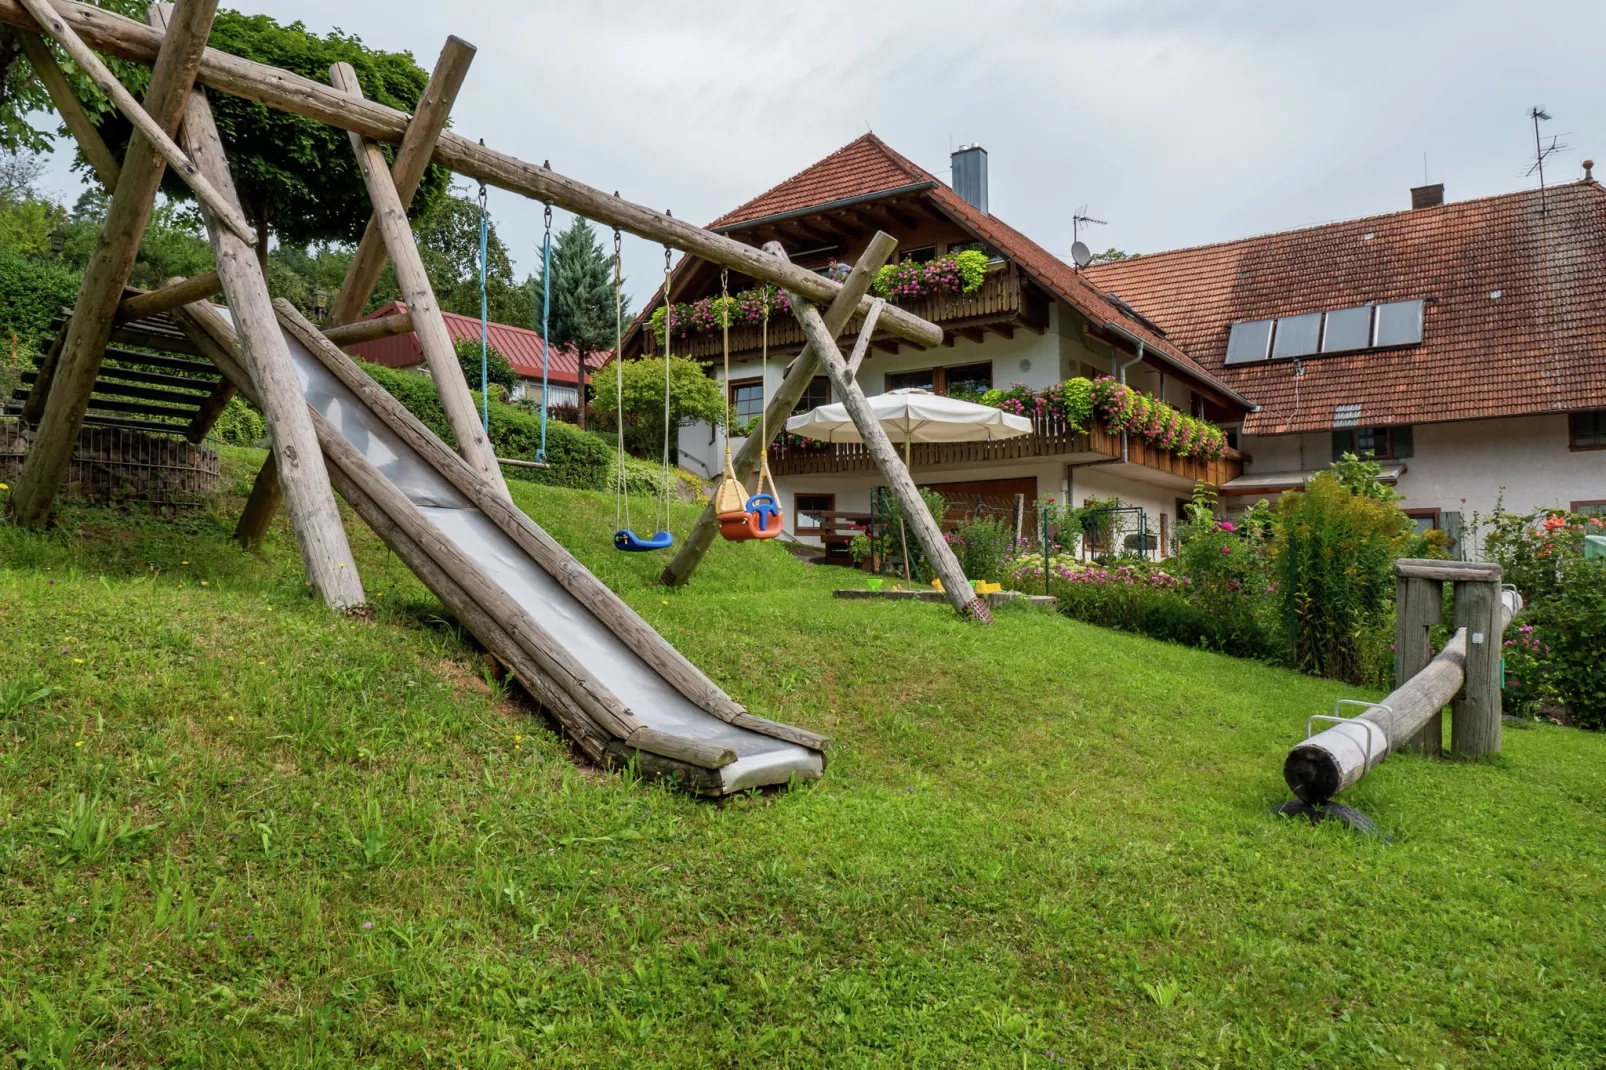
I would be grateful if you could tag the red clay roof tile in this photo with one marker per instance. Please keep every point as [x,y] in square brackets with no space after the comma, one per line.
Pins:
[1539,346]
[520,346]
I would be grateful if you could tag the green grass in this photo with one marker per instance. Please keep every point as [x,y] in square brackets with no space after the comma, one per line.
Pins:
[236,830]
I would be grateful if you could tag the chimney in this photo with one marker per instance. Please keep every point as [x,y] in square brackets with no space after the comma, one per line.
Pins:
[970,175]
[1589,170]
[1427,196]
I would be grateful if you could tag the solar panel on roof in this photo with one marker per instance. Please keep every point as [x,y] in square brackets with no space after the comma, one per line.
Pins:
[1347,328]
[1399,323]
[1297,336]
[1249,341]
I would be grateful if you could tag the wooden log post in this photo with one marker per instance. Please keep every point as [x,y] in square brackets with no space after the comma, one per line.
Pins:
[807,365]
[116,247]
[1476,711]
[876,441]
[101,158]
[122,37]
[154,131]
[412,158]
[440,355]
[260,507]
[325,552]
[1418,606]
[1333,760]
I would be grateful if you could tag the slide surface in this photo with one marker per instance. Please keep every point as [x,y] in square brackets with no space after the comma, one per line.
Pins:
[760,759]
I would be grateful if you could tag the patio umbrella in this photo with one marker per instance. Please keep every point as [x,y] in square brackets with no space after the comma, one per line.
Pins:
[910,416]
[913,416]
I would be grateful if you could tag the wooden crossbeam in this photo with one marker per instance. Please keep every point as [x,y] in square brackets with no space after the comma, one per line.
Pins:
[154,132]
[119,36]
[73,377]
[101,159]
[893,469]
[798,377]
[411,161]
[370,330]
[325,552]
[143,306]
[211,408]
[440,354]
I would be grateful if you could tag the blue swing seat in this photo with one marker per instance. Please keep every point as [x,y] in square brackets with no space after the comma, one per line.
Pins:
[631,543]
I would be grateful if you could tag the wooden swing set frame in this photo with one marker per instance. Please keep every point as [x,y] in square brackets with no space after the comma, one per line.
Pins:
[173,44]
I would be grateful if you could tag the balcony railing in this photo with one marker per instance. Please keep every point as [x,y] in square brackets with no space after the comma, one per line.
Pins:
[999,299]
[1050,438]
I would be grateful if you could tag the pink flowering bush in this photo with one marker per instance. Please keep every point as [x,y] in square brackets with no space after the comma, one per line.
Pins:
[1120,408]
[956,273]
[746,309]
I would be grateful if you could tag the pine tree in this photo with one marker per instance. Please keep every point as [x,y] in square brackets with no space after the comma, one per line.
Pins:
[582,297]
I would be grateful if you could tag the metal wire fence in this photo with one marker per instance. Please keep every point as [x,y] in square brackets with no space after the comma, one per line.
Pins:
[114,465]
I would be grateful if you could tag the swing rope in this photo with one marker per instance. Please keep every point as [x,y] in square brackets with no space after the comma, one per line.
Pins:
[731,497]
[485,343]
[764,413]
[546,313]
[621,508]
[668,306]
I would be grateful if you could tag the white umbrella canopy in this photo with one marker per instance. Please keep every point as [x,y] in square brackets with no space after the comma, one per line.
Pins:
[913,416]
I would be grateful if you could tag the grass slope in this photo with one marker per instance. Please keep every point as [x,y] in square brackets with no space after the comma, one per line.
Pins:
[312,841]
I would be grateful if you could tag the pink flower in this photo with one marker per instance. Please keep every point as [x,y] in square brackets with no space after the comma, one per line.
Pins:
[1226,549]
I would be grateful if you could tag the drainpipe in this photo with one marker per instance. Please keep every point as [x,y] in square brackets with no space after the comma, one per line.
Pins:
[1120,371]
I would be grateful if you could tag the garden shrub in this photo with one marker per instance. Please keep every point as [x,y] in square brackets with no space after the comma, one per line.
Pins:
[577,458]
[1333,556]
[1555,652]
[240,424]
[889,541]
[498,371]
[31,293]
[983,546]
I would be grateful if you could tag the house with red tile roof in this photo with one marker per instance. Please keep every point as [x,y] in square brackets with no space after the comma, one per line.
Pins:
[1034,320]
[1463,345]
[524,349]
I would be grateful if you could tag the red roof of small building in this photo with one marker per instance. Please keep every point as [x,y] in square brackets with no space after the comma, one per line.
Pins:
[1515,321]
[523,348]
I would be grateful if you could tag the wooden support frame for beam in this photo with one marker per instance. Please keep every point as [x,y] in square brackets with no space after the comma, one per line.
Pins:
[325,552]
[411,160]
[154,131]
[1418,606]
[902,485]
[440,355]
[801,373]
[54,79]
[119,36]
[261,506]
[370,330]
[862,346]
[183,43]
[176,294]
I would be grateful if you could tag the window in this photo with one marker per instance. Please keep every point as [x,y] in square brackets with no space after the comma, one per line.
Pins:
[1590,508]
[1297,336]
[747,397]
[1378,443]
[921,380]
[1424,520]
[1249,341]
[817,393]
[1399,323]
[970,378]
[1587,430]
[1347,328]
[922,254]
[806,508]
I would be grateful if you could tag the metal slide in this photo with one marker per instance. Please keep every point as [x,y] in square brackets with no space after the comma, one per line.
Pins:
[760,759]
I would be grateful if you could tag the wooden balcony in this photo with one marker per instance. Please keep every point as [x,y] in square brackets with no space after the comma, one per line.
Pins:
[1003,302]
[1050,439]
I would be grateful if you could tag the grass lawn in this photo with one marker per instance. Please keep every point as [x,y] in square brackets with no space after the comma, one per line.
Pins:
[237,830]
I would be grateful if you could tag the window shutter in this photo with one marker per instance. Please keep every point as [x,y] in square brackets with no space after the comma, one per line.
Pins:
[1402,442]
[1451,523]
[1343,442]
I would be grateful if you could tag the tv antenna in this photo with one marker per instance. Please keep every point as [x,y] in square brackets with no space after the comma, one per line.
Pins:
[1081,217]
[1542,152]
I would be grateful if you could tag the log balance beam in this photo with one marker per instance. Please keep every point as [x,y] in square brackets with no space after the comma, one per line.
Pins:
[1465,676]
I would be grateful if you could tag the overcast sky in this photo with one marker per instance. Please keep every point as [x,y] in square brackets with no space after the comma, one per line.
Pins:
[1178,121]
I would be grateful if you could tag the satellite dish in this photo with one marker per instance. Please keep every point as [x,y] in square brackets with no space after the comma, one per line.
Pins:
[1081,254]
